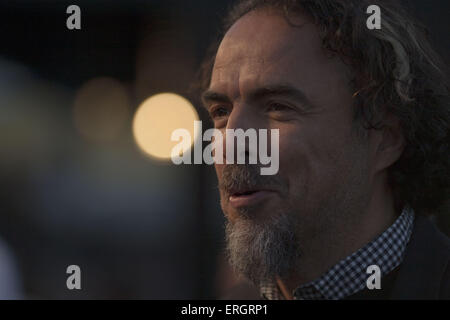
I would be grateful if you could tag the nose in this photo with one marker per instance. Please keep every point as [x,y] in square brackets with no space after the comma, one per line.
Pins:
[242,120]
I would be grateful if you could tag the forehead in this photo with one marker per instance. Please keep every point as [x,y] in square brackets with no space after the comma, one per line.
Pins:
[262,48]
[262,35]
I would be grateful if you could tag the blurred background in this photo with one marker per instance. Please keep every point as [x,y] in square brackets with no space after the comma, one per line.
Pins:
[84,180]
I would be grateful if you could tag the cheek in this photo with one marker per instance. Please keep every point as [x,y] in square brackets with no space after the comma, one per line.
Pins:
[291,148]
[293,164]
[307,158]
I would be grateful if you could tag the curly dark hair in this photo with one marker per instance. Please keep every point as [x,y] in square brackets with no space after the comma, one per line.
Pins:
[395,71]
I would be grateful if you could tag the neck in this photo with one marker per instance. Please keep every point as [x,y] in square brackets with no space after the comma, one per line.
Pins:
[342,240]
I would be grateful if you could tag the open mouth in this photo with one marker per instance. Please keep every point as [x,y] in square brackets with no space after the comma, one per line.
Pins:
[249,197]
[244,193]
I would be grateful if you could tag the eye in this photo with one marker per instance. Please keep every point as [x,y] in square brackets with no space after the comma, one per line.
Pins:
[276,106]
[218,112]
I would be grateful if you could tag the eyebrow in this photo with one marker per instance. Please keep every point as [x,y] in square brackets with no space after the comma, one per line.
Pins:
[261,93]
[212,96]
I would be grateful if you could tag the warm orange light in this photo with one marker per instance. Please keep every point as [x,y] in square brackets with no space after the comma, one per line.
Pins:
[156,119]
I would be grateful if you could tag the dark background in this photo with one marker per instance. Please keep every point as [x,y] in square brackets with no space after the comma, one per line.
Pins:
[138,228]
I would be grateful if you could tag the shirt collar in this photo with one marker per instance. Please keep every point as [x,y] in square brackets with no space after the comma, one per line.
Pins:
[349,275]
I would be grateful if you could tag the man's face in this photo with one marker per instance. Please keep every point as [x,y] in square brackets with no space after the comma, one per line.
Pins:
[270,75]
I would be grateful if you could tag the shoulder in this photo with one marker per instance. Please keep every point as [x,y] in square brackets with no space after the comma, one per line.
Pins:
[445,288]
[424,273]
[444,292]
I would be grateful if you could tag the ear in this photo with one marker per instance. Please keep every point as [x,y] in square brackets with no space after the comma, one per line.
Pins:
[389,143]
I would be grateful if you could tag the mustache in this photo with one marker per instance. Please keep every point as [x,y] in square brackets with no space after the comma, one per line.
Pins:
[242,177]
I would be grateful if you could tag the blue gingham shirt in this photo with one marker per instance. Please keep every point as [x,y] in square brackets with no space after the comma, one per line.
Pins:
[350,275]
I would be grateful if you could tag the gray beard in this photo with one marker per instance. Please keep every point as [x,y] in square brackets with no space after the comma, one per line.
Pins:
[260,251]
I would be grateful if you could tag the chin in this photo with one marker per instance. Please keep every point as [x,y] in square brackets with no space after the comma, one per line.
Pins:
[255,215]
[259,249]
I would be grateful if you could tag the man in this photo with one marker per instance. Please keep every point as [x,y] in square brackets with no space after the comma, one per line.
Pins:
[363,119]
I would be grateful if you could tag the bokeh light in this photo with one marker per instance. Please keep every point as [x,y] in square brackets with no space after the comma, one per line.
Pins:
[101,109]
[156,119]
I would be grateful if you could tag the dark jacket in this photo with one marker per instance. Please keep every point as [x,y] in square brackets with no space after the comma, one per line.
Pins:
[423,274]
[425,270]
